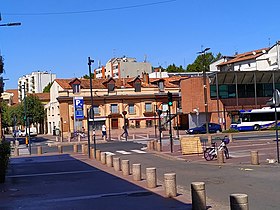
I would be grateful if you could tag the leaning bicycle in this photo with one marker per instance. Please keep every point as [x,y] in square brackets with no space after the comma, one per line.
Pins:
[212,152]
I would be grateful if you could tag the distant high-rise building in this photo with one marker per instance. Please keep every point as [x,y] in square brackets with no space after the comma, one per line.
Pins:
[122,67]
[34,82]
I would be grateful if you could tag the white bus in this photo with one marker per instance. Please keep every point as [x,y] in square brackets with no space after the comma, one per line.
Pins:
[256,119]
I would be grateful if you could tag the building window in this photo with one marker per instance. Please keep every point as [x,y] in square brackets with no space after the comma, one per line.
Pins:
[161,86]
[111,87]
[131,109]
[137,86]
[96,110]
[76,88]
[148,107]
[114,108]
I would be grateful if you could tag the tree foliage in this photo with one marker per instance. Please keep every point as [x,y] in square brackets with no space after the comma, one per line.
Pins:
[14,115]
[48,88]
[174,68]
[203,61]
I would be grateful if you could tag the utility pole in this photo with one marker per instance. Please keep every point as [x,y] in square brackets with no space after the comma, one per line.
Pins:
[91,112]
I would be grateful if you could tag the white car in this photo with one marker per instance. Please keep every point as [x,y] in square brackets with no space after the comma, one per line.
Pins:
[32,132]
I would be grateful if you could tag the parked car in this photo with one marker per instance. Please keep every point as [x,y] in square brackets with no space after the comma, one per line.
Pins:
[22,133]
[213,128]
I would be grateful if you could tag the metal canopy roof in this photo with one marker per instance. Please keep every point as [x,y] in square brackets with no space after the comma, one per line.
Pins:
[244,77]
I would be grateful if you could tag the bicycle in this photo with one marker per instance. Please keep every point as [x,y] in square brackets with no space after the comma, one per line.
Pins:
[212,152]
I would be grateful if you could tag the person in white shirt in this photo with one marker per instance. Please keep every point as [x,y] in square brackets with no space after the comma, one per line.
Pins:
[104,134]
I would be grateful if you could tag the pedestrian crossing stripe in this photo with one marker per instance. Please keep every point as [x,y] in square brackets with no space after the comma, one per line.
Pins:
[123,152]
[138,151]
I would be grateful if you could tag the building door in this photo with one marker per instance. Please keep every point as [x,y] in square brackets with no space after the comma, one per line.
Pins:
[114,123]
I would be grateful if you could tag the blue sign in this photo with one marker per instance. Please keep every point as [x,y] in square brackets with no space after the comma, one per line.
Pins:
[79,107]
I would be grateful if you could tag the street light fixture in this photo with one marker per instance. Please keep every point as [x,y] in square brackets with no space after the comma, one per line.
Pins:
[10,24]
[202,53]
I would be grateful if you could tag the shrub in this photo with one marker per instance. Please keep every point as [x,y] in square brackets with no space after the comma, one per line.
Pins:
[5,152]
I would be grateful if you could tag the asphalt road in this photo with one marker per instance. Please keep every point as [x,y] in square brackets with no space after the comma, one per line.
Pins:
[65,182]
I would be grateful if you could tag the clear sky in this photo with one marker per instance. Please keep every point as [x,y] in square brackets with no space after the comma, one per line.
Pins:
[59,35]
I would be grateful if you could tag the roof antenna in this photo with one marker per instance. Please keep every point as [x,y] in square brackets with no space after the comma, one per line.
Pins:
[268,42]
[0,17]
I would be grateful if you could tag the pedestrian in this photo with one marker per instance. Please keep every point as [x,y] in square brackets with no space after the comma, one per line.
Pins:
[125,132]
[104,134]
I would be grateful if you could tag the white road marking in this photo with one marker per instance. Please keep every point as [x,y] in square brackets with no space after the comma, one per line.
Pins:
[55,173]
[123,152]
[110,153]
[138,151]
[95,196]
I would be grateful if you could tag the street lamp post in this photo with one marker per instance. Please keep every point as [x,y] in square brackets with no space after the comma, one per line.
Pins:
[91,115]
[202,53]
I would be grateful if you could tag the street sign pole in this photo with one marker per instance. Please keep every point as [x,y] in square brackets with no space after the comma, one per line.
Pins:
[276,102]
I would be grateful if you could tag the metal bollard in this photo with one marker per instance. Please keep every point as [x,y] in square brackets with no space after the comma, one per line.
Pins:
[136,171]
[239,202]
[103,158]
[125,167]
[116,164]
[60,149]
[75,148]
[16,151]
[109,160]
[170,185]
[198,195]
[151,177]
[98,155]
[255,158]
[221,159]
[39,150]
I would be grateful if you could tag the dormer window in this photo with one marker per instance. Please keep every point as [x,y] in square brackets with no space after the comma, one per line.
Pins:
[161,86]
[76,88]
[137,86]
[111,87]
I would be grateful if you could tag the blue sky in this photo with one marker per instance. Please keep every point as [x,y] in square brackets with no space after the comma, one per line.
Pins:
[166,32]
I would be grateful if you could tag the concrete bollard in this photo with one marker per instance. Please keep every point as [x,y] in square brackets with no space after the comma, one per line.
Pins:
[109,160]
[239,202]
[16,143]
[103,158]
[148,136]
[125,167]
[136,171]
[56,139]
[98,155]
[170,185]
[209,138]
[86,149]
[16,151]
[221,159]
[158,147]
[133,136]
[116,163]
[69,137]
[39,150]
[198,195]
[61,139]
[151,177]
[230,137]
[149,145]
[92,153]
[255,158]
[60,149]
[83,148]
[79,138]
[75,148]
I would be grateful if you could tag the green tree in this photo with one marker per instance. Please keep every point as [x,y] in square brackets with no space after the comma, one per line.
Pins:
[48,88]
[34,110]
[174,68]
[6,117]
[203,61]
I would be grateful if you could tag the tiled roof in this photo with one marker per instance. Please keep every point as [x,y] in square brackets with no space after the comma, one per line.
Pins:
[245,56]
[123,82]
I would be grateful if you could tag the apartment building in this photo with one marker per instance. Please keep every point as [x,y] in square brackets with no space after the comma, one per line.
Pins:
[122,67]
[34,82]
[241,82]
[138,97]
